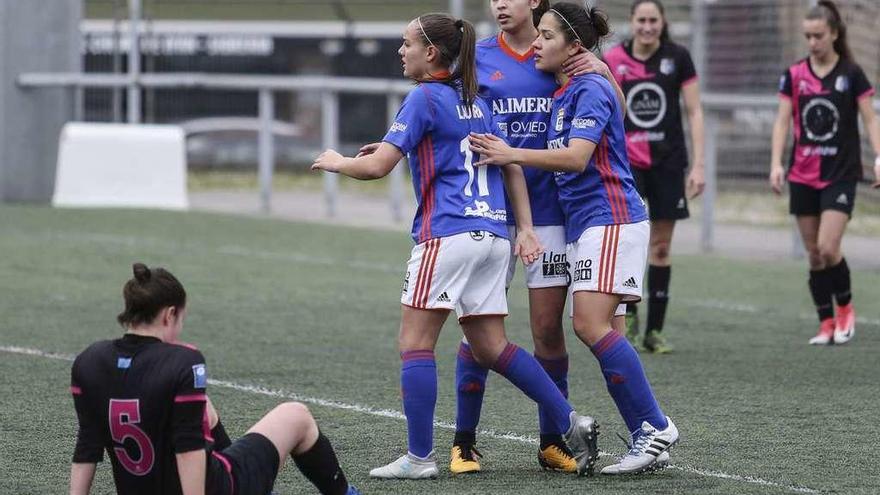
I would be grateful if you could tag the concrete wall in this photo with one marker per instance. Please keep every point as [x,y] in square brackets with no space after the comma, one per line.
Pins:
[35,36]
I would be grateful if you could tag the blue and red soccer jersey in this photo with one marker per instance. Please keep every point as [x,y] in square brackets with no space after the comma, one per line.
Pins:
[432,129]
[605,192]
[825,112]
[520,96]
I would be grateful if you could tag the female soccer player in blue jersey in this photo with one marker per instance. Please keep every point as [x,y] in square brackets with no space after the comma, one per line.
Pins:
[142,399]
[461,254]
[655,74]
[520,96]
[823,95]
[606,224]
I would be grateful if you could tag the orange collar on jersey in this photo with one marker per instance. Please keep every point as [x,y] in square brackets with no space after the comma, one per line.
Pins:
[438,76]
[562,88]
[519,57]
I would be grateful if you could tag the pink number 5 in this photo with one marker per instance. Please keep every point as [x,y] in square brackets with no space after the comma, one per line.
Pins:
[124,415]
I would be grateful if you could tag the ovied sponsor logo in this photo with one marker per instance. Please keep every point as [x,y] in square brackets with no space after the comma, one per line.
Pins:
[468,112]
[398,127]
[580,123]
[554,265]
[526,129]
[583,270]
[820,119]
[646,105]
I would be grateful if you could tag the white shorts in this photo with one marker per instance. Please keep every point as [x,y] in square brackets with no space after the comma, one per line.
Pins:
[611,259]
[549,271]
[464,272]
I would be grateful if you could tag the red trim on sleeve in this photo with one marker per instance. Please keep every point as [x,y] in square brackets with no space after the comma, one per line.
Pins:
[783,95]
[75,390]
[191,398]
[690,81]
[868,93]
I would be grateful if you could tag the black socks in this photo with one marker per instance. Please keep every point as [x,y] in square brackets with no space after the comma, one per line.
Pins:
[320,466]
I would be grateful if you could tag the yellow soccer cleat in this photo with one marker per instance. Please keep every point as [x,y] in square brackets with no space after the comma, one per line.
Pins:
[557,458]
[464,459]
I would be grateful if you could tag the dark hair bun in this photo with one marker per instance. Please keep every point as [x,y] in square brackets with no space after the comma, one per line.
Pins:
[141,272]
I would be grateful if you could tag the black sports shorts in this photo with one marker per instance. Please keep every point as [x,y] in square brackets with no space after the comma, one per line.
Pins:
[253,462]
[806,200]
[664,191]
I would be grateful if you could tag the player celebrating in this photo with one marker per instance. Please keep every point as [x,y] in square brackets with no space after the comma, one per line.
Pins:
[823,94]
[520,96]
[655,73]
[605,220]
[142,398]
[461,254]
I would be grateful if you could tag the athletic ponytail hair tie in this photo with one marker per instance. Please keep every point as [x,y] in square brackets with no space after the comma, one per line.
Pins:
[459,23]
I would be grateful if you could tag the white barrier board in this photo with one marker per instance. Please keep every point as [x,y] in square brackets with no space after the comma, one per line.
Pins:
[121,166]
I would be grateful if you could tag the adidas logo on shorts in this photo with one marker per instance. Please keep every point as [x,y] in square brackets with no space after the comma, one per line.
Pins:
[842,199]
[631,283]
[443,297]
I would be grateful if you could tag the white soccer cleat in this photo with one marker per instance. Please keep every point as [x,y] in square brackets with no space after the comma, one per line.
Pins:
[408,467]
[647,451]
[581,439]
[845,326]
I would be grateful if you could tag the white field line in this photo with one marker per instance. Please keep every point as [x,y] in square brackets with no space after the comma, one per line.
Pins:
[392,414]
[308,258]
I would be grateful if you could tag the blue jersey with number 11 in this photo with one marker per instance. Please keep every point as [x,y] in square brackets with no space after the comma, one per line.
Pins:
[432,129]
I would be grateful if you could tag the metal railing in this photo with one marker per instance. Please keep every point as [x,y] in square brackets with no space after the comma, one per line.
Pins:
[331,87]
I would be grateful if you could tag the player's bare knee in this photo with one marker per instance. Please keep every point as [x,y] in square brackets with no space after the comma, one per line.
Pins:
[660,252]
[550,342]
[829,254]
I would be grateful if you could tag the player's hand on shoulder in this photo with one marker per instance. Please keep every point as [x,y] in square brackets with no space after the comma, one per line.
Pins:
[585,62]
[330,161]
[528,246]
[492,150]
[368,149]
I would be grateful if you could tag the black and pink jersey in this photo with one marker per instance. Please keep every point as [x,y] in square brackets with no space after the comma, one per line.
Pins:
[143,401]
[825,112]
[654,133]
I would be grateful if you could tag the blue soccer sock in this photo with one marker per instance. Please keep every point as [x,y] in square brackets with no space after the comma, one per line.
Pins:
[418,386]
[523,370]
[557,370]
[627,383]
[470,383]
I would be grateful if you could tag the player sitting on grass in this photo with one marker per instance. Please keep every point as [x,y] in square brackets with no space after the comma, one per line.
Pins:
[142,398]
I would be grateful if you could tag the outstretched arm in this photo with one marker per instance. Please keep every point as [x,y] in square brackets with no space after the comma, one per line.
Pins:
[373,165]
[494,151]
